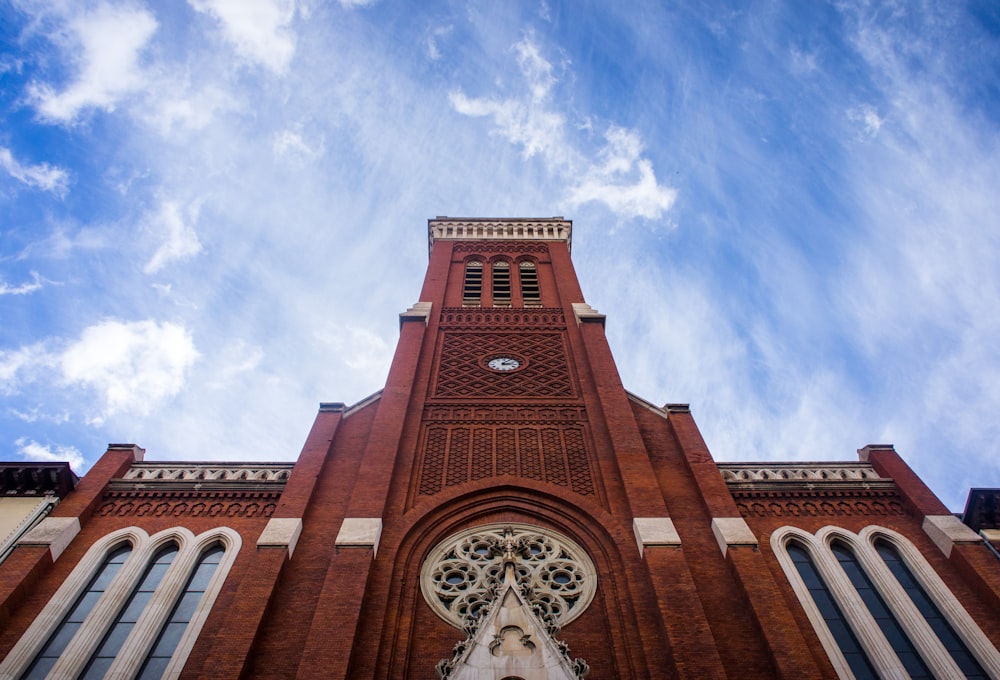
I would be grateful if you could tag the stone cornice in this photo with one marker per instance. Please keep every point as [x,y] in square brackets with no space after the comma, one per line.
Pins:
[36,479]
[499,229]
[176,476]
[788,476]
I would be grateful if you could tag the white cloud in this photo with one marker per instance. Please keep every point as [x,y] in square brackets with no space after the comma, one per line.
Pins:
[258,29]
[359,348]
[868,117]
[349,4]
[432,46]
[41,176]
[14,364]
[237,358]
[291,144]
[533,128]
[24,288]
[624,181]
[535,68]
[177,105]
[181,241]
[132,365]
[108,42]
[619,177]
[32,450]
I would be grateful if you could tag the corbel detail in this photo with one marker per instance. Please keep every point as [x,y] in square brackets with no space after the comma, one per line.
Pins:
[54,532]
[281,532]
[654,531]
[585,313]
[420,311]
[947,530]
[360,532]
[732,531]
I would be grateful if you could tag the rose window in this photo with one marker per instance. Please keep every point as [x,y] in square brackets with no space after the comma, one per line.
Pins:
[462,573]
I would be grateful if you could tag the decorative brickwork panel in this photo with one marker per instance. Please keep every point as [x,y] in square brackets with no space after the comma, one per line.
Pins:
[455,454]
[458,457]
[578,461]
[505,414]
[531,458]
[506,452]
[189,505]
[820,505]
[554,454]
[482,453]
[540,318]
[434,451]
[502,247]
[544,371]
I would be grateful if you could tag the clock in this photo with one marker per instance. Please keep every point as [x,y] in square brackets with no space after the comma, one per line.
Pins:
[504,364]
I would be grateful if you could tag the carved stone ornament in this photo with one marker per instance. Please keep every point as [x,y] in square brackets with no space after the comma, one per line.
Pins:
[517,586]
[464,572]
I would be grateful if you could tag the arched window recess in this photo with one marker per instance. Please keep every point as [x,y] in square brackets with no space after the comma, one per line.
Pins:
[501,284]
[531,294]
[876,589]
[132,607]
[472,287]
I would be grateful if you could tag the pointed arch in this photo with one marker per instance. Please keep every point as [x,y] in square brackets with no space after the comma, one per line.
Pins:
[859,561]
[137,638]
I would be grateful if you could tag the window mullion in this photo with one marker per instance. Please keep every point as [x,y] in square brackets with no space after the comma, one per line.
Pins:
[140,641]
[867,630]
[77,654]
[912,621]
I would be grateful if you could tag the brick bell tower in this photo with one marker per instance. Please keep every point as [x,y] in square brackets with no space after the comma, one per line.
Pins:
[504,504]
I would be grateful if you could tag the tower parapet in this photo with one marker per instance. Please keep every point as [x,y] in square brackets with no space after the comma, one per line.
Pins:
[496,229]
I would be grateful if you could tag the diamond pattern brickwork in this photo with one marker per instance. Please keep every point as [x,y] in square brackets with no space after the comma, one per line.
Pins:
[545,372]
[454,454]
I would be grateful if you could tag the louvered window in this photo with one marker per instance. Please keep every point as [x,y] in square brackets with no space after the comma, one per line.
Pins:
[530,292]
[501,284]
[472,291]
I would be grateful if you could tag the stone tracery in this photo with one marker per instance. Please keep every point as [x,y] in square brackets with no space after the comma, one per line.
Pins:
[463,573]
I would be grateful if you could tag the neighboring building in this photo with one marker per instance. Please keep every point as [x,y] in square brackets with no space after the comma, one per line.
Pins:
[28,492]
[501,498]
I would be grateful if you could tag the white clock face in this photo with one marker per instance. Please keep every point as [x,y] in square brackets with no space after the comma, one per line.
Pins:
[504,364]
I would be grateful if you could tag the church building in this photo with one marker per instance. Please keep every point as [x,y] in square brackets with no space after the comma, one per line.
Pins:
[502,509]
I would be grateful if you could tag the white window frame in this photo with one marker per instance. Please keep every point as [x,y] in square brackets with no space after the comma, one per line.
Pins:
[139,643]
[873,642]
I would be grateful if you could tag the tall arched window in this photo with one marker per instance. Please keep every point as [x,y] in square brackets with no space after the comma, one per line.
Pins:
[113,640]
[60,638]
[894,633]
[163,588]
[837,624]
[873,596]
[472,289]
[530,292]
[172,632]
[939,624]
[501,283]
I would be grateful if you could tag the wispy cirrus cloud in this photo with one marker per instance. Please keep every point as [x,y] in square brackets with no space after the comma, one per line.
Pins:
[23,289]
[624,180]
[616,175]
[106,45]
[40,175]
[179,239]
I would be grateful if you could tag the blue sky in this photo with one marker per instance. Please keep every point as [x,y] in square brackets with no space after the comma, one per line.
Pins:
[212,212]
